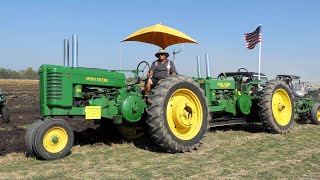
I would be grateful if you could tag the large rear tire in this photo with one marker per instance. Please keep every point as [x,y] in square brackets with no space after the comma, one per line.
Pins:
[54,139]
[178,114]
[315,114]
[277,107]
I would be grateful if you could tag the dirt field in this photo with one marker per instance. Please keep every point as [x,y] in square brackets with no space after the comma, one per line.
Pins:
[23,104]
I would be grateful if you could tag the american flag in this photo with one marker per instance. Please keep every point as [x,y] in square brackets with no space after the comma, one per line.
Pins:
[253,38]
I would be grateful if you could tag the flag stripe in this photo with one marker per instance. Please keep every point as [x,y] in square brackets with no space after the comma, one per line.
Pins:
[253,38]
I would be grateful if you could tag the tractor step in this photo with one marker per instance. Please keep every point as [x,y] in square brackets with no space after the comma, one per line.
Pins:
[226,121]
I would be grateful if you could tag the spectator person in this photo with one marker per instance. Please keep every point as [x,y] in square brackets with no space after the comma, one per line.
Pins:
[160,69]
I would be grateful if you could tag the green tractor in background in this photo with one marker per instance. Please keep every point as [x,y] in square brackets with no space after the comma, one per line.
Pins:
[253,100]
[4,111]
[179,111]
[306,98]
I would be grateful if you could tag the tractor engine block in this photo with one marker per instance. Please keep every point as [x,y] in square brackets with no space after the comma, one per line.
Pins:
[93,93]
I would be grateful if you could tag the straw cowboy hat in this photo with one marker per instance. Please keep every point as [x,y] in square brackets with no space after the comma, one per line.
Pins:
[161,51]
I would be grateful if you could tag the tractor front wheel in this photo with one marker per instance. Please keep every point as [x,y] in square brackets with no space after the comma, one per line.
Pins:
[276,106]
[178,114]
[53,139]
[315,114]
[29,137]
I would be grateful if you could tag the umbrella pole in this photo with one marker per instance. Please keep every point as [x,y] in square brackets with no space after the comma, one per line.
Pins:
[176,52]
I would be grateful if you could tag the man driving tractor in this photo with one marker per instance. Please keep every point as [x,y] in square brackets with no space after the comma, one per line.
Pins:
[160,69]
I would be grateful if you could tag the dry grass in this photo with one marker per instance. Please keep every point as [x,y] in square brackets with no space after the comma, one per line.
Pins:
[225,154]
[18,82]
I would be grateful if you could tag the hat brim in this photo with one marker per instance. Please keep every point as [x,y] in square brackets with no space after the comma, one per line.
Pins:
[158,54]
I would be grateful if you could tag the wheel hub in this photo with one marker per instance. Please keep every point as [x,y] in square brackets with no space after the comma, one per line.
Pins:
[55,139]
[281,106]
[182,115]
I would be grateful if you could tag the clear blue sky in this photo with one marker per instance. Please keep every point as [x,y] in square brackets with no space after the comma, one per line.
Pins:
[32,33]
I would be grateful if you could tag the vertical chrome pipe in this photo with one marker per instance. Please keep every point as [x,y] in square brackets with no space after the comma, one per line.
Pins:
[66,52]
[74,51]
[208,65]
[199,66]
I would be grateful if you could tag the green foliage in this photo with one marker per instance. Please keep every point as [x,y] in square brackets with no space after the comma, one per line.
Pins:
[28,73]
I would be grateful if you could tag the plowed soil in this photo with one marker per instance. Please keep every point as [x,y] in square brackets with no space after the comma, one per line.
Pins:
[23,104]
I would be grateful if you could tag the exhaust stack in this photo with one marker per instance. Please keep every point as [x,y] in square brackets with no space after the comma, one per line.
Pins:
[208,65]
[66,52]
[74,51]
[199,66]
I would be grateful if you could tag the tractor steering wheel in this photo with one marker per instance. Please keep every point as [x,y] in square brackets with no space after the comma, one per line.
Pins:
[240,77]
[143,70]
[239,70]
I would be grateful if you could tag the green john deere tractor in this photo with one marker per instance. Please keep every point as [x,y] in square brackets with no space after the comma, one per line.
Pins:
[179,111]
[306,98]
[4,111]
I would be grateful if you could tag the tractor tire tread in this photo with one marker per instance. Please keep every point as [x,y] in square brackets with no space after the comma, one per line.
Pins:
[265,104]
[313,114]
[42,129]
[157,128]
[5,114]
[30,136]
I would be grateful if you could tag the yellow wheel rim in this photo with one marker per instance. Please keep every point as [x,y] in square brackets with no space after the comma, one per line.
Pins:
[55,140]
[184,114]
[281,107]
[318,114]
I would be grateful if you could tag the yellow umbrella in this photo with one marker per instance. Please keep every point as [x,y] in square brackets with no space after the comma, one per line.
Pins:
[160,35]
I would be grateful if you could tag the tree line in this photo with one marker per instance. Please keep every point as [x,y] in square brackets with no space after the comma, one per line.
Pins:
[28,73]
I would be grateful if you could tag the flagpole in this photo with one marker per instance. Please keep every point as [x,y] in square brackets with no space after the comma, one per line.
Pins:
[260,54]
[252,41]
[259,60]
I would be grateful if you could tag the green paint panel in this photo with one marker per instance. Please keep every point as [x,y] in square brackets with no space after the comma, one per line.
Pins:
[244,104]
[77,91]
[221,94]
[221,84]
[59,85]
[132,108]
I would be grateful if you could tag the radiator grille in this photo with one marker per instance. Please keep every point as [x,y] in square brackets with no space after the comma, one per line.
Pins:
[54,86]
